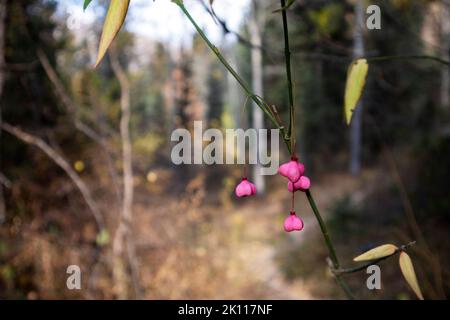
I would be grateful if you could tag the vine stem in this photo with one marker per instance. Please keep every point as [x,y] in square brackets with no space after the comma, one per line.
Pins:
[287,55]
[291,133]
[323,228]
[241,81]
[287,139]
[332,252]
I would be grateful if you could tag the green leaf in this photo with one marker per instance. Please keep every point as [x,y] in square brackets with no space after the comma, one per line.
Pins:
[86,4]
[113,22]
[356,79]
[376,253]
[407,268]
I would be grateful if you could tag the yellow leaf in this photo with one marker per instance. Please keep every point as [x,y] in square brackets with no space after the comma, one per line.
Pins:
[79,166]
[410,275]
[114,20]
[102,238]
[356,79]
[376,253]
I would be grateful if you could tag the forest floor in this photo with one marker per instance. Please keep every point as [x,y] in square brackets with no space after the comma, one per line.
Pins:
[201,242]
[240,243]
[261,248]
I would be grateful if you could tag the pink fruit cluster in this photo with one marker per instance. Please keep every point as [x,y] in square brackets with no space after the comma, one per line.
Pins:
[293,171]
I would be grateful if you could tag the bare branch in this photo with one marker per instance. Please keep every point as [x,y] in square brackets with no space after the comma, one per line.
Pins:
[79,125]
[5,181]
[68,102]
[123,238]
[63,164]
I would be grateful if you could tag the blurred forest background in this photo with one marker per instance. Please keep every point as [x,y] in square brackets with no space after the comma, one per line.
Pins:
[76,188]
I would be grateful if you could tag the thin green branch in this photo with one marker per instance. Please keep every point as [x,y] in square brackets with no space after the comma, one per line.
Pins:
[323,228]
[241,81]
[334,265]
[291,134]
[344,286]
[268,112]
[287,54]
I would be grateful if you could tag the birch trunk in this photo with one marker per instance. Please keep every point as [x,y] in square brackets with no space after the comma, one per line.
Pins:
[123,242]
[255,31]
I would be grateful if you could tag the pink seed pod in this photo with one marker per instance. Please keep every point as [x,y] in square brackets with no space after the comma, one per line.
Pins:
[301,168]
[291,170]
[302,184]
[293,223]
[245,189]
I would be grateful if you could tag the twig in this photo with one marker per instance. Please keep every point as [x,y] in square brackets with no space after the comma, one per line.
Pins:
[268,111]
[268,50]
[5,181]
[340,271]
[404,57]
[63,164]
[242,83]
[79,125]
[408,207]
[67,101]
[287,55]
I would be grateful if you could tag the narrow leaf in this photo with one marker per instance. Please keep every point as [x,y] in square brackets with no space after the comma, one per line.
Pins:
[376,253]
[407,268]
[86,4]
[113,22]
[356,79]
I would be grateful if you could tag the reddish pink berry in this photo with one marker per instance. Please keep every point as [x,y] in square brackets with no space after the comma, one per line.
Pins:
[245,189]
[302,184]
[293,223]
[291,170]
[301,168]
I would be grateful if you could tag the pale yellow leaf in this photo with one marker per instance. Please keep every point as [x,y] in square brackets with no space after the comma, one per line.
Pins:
[114,20]
[79,166]
[407,268]
[356,79]
[376,253]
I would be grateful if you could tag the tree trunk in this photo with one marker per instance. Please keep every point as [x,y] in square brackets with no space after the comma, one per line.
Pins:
[254,27]
[356,124]
[123,241]
[2,81]
[445,55]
